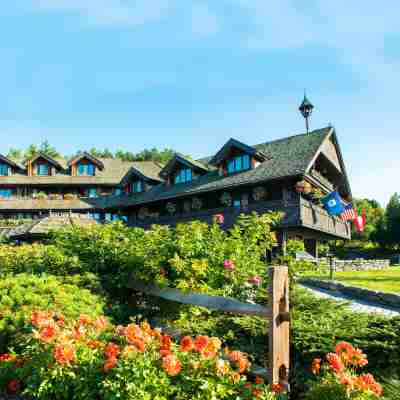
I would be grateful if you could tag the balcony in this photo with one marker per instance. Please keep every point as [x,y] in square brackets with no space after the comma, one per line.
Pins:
[298,213]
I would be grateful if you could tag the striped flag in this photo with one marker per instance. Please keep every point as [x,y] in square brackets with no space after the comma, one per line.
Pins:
[349,213]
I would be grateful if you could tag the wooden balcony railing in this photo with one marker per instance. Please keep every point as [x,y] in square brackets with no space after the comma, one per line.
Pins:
[296,213]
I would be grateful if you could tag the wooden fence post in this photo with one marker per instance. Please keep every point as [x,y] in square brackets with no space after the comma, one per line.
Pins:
[278,365]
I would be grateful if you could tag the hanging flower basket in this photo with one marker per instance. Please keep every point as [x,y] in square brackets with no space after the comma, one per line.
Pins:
[303,187]
[143,212]
[226,199]
[170,207]
[197,203]
[259,193]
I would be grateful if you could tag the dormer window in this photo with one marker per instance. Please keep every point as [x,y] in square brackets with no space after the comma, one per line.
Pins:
[183,176]
[239,163]
[137,187]
[4,170]
[43,169]
[85,170]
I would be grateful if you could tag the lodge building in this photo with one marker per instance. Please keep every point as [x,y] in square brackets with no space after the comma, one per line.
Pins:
[288,175]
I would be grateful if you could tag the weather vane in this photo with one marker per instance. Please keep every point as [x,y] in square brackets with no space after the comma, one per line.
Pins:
[306,109]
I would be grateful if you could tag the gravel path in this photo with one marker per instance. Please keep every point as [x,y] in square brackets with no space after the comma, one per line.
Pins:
[355,305]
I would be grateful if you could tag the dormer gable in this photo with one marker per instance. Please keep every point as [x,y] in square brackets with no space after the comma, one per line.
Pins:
[8,167]
[141,177]
[85,165]
[235,156]
[42,165]
[182,169]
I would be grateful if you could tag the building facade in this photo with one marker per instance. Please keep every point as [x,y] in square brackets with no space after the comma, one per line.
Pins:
[287,175]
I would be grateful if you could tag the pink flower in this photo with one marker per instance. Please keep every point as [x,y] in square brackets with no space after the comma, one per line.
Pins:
[255,280]
[219,218]
[228,264]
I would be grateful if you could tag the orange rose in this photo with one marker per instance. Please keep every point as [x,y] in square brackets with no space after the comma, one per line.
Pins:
[316,366]
[110,364]
[64,353]
[335,362]
[187,344]
[112,350]
[171,365]
[201,342]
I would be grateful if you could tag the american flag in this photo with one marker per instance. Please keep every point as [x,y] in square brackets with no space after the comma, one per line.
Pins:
[349,213]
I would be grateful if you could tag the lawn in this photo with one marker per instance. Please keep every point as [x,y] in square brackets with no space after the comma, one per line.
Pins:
[387,280]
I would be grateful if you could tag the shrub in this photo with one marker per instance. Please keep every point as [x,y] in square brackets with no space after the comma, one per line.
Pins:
[23,293]
[89,358]
[192,256]
[339,378]
[36,259]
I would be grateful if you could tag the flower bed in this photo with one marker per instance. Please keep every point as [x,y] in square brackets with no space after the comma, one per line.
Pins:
[340,378]
[89,358]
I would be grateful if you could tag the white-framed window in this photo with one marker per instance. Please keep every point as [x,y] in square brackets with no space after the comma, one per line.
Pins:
[43,169]
[85,170]
[4,170]
[92,192]
[137,187]
[239,163]
[184,175]
[6,193]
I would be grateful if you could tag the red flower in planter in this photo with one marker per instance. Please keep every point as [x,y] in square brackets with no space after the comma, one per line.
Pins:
[14,386]
[110,364]
[200,343]
[219,218]
[335,362]
[255,280]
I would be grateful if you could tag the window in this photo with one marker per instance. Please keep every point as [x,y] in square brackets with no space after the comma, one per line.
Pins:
[137,187]
[237,203]
[239,163]
[85,170]
[92,192]
[95,216]
[4,170]
[6,193]
[118,191]
[184,175]
[43,169]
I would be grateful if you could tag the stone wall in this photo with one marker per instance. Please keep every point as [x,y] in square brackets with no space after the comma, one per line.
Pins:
[358,265]
[390,300]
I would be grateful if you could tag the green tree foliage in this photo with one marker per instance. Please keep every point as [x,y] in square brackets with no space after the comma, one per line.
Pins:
[388,227]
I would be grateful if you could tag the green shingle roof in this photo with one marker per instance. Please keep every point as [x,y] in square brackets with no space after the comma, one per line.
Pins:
[286,157]
[112,174]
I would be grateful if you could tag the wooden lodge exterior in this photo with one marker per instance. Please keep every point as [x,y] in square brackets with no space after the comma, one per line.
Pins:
[238,179]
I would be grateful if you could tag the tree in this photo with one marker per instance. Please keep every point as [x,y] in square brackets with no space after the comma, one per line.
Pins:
[15,154]
[48,150]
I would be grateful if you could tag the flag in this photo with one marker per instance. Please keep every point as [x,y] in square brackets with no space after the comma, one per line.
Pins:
[349,213]
[360,221]
[333,204]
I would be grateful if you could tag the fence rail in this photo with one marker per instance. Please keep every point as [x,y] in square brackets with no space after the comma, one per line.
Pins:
[277,313]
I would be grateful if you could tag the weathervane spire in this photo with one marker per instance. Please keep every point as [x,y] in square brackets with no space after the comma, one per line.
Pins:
[306,109]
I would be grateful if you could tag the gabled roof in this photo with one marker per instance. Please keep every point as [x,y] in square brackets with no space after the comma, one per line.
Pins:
[51,160]
[185,160]
[146,170]
[10,162]
[88,156]
[288,157]
[44,226]
[224,151]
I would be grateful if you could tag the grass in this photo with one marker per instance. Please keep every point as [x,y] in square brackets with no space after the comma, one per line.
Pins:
[387,280]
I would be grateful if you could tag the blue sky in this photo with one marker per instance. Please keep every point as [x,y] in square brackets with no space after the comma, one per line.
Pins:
[134,74]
